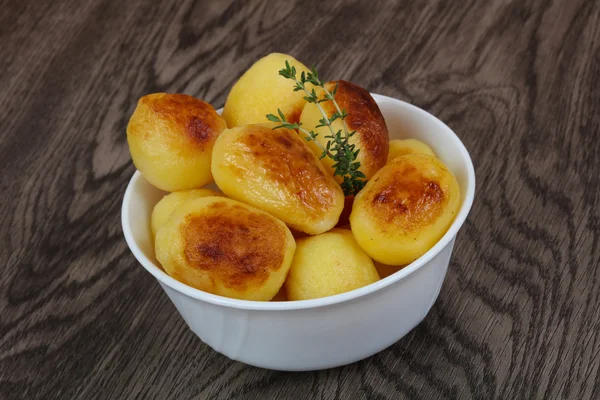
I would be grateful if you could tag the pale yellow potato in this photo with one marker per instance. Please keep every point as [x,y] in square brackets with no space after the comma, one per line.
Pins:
[171,137]
[261,91]
[163,209]
[400,147]
[225,247]
[405,209]
[328,264]
[364,117]
[274,170]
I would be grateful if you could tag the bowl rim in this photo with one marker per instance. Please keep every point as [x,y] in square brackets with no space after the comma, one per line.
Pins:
[182,288]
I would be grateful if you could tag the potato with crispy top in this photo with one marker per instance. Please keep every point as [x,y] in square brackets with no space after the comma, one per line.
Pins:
[364,117]
[274,170]
[405,209]
[163,209]
[328,264]
[171,137]
[400,147]
[261,91]
[225,247]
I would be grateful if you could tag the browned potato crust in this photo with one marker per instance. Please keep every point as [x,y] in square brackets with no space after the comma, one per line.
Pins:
[364,117]
[221,246]
[275,171]
[171,137]
[405,209]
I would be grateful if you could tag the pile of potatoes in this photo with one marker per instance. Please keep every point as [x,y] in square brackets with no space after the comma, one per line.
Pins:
[280,228]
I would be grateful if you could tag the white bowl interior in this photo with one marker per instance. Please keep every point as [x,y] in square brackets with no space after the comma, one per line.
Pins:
[403,121]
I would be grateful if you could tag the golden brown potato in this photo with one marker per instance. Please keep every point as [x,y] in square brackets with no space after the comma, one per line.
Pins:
[345,216]
[261,91]
[364,117]
[405,209]
[400,147]
[168,204]
[225,247]
[171,137]
[386,270]
[274,170]
[280,296]
[328,264]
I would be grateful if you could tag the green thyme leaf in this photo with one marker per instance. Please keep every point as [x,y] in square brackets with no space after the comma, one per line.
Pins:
[337,147]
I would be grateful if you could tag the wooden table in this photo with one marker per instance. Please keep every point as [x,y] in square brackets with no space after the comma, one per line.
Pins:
[519,81]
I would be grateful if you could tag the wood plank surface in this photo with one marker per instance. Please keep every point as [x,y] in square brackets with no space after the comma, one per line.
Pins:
[519,81]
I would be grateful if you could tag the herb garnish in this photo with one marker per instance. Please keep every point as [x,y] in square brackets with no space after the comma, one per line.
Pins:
[338,147]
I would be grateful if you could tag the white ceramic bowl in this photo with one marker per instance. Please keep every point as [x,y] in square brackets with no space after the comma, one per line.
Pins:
[320,333]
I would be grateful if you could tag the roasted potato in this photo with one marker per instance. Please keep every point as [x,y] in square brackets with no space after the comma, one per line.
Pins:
[364,117]
[163,209]
[328,264]
[385,270]
[400,147]
[274,170]
[280,296]
[405,209]
[344,221]
[261,91]
[171,137]
[225,247]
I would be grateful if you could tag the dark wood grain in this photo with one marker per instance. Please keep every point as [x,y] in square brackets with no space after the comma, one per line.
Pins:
[519,81]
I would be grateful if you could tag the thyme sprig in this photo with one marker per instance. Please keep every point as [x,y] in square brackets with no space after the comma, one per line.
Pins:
[338,147]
